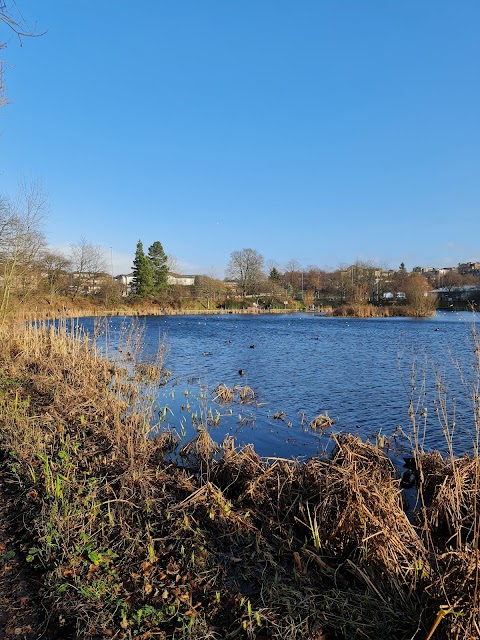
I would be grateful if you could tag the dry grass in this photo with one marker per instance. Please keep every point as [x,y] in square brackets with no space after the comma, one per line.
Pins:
[225,395]
[372,311]
[229,545]
[323,421]
[246,394]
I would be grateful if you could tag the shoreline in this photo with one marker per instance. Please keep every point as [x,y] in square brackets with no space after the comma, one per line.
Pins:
[101,312]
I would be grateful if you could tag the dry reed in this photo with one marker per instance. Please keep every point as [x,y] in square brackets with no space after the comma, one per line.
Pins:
[322,421]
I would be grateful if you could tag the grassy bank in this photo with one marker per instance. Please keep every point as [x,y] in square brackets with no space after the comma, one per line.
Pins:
[120,542]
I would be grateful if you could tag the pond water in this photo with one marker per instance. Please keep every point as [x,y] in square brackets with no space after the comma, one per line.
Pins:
[362,372]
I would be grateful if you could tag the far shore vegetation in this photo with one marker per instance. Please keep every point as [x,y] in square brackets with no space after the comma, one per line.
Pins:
[37,279]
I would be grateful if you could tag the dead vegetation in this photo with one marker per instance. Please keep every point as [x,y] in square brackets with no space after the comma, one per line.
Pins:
[323,421]
[126,543]
[225,395]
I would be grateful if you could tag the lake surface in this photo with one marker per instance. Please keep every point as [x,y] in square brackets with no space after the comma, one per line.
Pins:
[359,371]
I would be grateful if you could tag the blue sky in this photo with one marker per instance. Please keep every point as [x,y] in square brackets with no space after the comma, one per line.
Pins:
[320,131]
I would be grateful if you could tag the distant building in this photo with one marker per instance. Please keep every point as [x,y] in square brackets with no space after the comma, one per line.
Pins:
[125,281]
[469,268]
[392,295]
[466,293]
[87,283]
[184,281]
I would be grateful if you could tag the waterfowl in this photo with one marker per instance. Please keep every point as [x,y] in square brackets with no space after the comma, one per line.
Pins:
[410,463]
[252,346]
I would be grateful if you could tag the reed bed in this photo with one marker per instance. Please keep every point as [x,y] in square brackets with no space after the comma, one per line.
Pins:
[373,311]
[126,542]
[222,394]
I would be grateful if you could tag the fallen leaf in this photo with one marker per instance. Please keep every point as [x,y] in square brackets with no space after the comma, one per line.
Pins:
[172,567]
[91,570]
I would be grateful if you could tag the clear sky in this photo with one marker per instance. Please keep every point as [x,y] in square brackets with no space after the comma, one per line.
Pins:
[323,131]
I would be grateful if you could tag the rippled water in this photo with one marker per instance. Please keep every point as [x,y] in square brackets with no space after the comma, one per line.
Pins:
[357,370]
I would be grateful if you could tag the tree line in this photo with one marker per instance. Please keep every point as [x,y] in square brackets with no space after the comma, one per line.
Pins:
[28,266]
[360,283]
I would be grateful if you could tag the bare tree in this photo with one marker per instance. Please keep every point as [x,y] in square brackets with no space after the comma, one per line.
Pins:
[419,295]
[173,264]
[362,278]
[21,240]
[293,277]
[208,289]
[54,267]
[16,24]
[88,263]
[246,268]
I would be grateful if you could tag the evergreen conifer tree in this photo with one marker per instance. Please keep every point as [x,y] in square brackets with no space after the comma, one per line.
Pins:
[143,276]
[275,275]
[159,262]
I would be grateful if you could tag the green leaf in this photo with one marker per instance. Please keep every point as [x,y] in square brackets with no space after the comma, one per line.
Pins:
[94,557]
[10,555]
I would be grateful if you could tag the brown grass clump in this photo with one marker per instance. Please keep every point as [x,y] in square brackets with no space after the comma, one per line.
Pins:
[452,492]
[246,394]
[323,421]
[354,504]
[226,395]
[237,469]
[450,495]
[223,394]
[200,449]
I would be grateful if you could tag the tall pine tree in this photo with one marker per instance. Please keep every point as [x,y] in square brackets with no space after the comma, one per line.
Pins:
[159,261]
[143,274]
